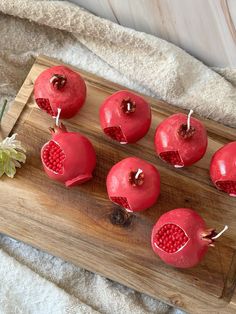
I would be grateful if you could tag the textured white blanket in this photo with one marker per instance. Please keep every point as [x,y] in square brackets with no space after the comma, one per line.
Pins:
[32,281]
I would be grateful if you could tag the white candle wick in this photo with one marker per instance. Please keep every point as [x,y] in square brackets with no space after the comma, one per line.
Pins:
[220,233]
[188,120]
[138,173]
[58,116]
[128,106]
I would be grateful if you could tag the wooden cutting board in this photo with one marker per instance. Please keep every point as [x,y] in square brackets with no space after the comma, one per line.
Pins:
[75,223]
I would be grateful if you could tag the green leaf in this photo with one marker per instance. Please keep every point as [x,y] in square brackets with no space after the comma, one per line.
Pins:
[21,157]
[10,169]
[1,168]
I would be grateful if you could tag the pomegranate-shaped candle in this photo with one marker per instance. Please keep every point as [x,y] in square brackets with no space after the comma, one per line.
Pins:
[68,157]
[181,140]
[223,169]
[181,239]
[134,184]
[60,88]
[125,117]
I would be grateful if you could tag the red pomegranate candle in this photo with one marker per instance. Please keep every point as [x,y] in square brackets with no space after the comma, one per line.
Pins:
[181,140]
[181,239]
[125,117]
[134,184]
[68,157]
[60,88]
[223,169]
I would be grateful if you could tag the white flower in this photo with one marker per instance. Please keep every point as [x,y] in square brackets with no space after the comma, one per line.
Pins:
[11,155]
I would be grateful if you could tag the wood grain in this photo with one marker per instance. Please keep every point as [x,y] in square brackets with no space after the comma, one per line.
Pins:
[75,223]
[205,28]
[10,118]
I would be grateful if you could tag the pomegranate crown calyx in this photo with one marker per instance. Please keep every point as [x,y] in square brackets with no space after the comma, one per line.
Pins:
[136,178]
[58,81]
[58,129]
[211,235]
[128,106]
[186,131]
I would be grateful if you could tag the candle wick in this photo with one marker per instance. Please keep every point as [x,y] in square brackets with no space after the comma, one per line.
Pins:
[57,116]
[138,173]
[128,106]
[188,120]
[220,233]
